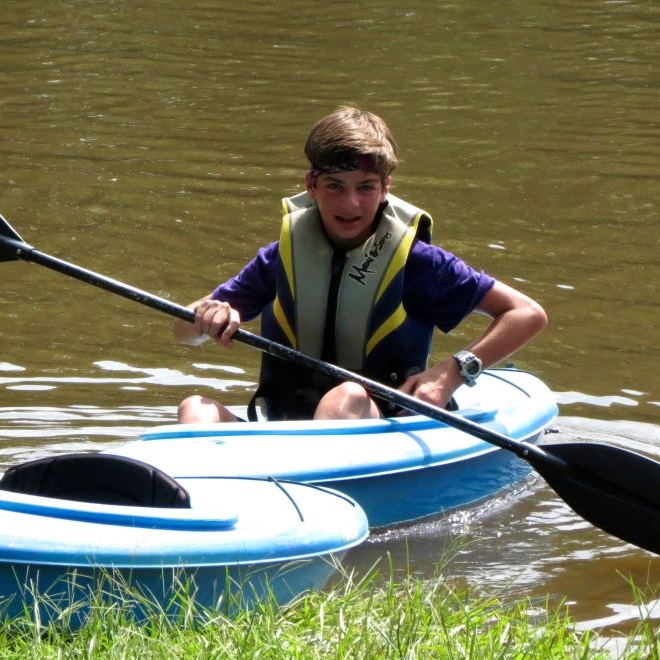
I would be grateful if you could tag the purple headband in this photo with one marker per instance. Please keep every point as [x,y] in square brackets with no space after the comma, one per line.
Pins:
[365,163]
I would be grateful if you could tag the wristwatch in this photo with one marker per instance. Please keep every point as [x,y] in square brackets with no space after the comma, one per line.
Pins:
[469,366]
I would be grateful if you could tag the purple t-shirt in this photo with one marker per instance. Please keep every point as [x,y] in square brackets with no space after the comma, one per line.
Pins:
[438,287]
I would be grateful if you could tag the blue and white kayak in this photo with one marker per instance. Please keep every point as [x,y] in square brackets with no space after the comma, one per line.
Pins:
[398,469]
[227,542]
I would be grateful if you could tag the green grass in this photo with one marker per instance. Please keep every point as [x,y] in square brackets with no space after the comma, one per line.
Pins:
[372,617]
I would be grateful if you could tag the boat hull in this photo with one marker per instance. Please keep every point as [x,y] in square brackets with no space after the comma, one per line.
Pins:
[399,470]
[49,594]
[241,541]
[406,496]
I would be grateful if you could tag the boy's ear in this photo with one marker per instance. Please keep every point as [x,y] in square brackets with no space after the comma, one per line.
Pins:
[310,183]
[386,186]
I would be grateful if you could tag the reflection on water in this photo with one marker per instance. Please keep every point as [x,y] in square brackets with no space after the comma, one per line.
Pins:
[50,429]
[152,376]
[34,432]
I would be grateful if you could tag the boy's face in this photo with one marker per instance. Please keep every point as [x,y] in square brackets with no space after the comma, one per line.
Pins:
[348,202]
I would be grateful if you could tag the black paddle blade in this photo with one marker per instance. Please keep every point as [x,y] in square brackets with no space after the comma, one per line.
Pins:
[7,237]
[613,488]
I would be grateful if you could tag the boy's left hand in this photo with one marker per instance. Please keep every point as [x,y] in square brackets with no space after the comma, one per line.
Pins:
[435,385]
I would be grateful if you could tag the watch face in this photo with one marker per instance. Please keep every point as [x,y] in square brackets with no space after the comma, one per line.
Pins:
[472,368]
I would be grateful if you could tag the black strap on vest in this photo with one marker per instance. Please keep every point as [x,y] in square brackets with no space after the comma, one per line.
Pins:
[252,404]
[329,351]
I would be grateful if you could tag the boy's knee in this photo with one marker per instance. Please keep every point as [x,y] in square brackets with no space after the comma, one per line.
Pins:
[346,401]
[190,403]
[197,409]
[354,392]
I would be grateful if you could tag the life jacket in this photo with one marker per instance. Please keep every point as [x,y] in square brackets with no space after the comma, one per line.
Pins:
[371,333]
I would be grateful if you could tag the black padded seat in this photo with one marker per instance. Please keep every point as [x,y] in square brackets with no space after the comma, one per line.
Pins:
[99,478]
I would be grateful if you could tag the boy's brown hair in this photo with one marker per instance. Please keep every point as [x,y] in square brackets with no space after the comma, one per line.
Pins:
[350,139]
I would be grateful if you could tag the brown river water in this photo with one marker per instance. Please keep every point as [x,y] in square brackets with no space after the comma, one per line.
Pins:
[151,141]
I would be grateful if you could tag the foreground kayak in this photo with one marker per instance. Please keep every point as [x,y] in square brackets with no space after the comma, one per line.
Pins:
[398,469]
[227,542]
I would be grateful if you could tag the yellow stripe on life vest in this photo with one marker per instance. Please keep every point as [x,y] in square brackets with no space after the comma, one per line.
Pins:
[399,259]
[389,326]
[286,250]
[283,322]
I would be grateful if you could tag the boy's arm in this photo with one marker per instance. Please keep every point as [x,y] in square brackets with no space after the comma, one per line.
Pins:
[516,320]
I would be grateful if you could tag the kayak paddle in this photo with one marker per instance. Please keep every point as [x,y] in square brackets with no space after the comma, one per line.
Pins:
[612,488]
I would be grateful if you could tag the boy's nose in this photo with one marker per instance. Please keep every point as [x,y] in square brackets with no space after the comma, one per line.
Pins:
[352,199]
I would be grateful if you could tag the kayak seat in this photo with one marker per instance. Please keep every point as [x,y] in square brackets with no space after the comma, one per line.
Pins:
[97,478]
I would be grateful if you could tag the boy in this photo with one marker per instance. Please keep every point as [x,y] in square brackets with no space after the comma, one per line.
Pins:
[354,280]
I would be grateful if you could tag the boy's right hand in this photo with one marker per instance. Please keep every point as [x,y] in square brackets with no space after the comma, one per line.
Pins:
[216,319]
